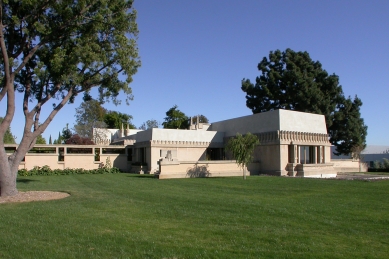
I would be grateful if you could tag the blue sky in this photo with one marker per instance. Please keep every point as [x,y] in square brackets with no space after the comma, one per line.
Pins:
[195,53]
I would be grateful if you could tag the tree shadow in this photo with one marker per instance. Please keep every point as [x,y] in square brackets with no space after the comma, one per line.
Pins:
[198,171]
[25,180]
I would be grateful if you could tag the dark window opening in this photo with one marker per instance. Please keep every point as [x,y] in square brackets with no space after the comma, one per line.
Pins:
[215,154]
[75,150]
[114,151]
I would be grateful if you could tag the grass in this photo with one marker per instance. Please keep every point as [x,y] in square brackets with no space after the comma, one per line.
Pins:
[132,216]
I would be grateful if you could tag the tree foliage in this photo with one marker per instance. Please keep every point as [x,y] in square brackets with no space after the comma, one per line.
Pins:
[52,51]
[66,134]
[293,81]
[90,114]
[202,119]
[175,119]
[40,140]
[115,120]
[242,148]
[78,140]
[149,124]
[8,137]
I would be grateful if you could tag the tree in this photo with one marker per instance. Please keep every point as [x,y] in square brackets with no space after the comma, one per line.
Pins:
[78,140]
[40,140]
[357,154]
[59,139]
[242,148]
[293,81]
[202,119]
[115,120]
[149,124]
[175,119]
[50,141]
[66,134]
[90,114]
[53,51]
[8,137]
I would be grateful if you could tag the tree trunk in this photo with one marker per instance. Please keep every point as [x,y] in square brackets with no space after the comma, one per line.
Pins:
[244,173]
[7,177]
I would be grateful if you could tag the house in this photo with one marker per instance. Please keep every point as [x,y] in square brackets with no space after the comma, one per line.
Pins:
[291,144]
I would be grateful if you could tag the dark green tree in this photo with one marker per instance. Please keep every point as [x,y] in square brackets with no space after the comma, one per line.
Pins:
[50,141]
[40,140]
[115,120]
[66,133]
[242,148]
[53,51]
[8,137]
[175,119]
[293,81]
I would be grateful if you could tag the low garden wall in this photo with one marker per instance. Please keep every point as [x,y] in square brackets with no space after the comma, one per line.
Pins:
[190,169]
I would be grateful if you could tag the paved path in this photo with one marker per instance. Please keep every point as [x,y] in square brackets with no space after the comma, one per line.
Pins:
[361,176]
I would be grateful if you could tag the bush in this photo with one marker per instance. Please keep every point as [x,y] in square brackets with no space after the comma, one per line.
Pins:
[46,170]
[385,163]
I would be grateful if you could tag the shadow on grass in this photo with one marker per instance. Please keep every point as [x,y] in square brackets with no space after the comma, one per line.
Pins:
[25,180]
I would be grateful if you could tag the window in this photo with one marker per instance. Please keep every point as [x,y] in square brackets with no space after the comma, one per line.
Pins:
[307,154]
[215,154]
[114,151]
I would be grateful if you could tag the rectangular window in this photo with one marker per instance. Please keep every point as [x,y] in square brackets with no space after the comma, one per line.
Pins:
[97,154]
[114,151]
[10,150]
[307,154]
[291,153]
[61,154]
[76,150]
[43,150]
[129,154]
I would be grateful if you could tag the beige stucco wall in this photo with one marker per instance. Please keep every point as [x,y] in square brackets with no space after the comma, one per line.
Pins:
[203,169]
[270,121]
[79,160]
[348,165]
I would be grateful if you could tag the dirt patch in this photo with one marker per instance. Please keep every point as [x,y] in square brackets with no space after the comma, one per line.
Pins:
[34,196]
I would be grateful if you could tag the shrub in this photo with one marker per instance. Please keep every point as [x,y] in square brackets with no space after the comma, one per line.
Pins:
[385,163]
[46,170]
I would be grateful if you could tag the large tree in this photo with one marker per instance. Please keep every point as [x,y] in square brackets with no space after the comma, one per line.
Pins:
[175,119]
[52,51]
[293,81]
[90,114]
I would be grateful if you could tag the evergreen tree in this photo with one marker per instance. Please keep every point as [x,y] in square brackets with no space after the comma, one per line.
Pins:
[293,81]
[8,137]
[40,140]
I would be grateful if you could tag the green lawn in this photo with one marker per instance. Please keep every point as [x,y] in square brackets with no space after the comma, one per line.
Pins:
[133,216]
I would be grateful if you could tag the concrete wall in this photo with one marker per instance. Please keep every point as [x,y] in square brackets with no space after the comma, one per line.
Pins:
[179,135]
[348,165]
[79,160]
[272,121]
[173,169]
